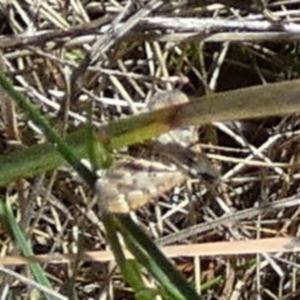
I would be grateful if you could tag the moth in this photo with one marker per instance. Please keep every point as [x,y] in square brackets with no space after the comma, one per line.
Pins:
[131,183]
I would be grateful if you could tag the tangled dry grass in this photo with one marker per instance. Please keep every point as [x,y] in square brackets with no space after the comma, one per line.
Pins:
[65,54]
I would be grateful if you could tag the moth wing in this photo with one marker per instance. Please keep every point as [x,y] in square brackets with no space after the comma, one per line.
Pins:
[130,184]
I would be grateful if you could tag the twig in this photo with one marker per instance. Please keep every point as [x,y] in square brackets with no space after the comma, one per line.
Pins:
[228,220]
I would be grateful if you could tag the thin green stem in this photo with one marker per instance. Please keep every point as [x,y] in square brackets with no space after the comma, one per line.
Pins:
[259,101]
[51,134]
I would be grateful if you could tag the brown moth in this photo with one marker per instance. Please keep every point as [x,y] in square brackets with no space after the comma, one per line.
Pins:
[131,183]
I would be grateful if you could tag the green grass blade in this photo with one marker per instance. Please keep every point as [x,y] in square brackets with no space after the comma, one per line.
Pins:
[23,244]
[148,254]
[51,134]
[258,101]
[129,268]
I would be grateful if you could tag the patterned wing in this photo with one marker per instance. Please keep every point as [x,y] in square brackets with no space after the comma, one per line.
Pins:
[131,183]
